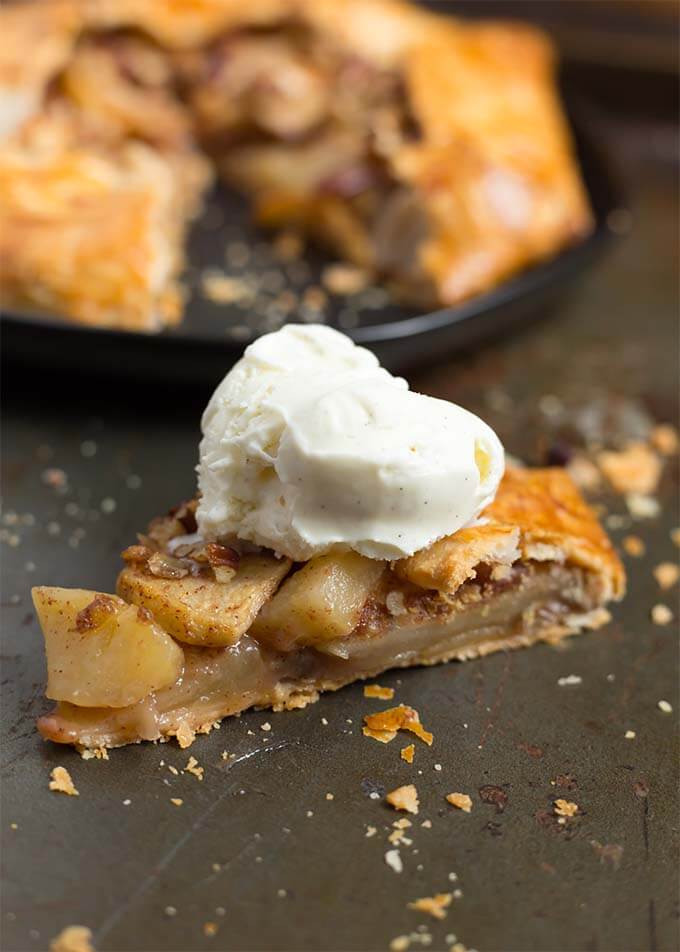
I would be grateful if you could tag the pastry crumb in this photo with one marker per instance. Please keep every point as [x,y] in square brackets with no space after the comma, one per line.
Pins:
[94,753]
[635,469]
[344,279]
[371,831]
[664,438]
[461,801]
[404,798]
[665,706]
[220,288]
[666,574]
[73,939]
[61,782]
[565,808]
[193,767]
[398,836]
[210,929]
[642,507]
[427,824]
[176,801]
[375,690]
[630,735]
[394,861]
[570,679]
[266,726]
[330,796]
[434,906]
[661,614]
[407,753]
[185,735]
[400,943]
[633,545]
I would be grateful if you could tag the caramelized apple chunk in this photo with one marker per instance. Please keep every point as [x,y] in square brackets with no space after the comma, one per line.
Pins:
[200,610]
[102,652]
[322,601]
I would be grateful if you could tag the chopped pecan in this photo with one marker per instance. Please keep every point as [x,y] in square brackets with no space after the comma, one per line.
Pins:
[222,559]
[167,566]
[95,614]
[137,553]
[185,513]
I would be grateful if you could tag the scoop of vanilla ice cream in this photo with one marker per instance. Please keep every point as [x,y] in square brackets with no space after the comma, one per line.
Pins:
[308,444]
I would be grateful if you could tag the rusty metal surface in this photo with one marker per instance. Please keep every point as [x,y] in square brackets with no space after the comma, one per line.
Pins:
[257,848]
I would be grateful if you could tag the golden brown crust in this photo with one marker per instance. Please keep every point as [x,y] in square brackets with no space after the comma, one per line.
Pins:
[447,564]
[37,39]
[93,234]
[553,521]
[492,171]
[548,509]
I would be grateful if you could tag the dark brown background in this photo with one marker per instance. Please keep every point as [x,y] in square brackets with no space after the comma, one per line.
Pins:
[610,358]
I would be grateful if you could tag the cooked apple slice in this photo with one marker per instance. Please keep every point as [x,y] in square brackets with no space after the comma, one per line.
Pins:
[102,652]
[199,610]
[320,602]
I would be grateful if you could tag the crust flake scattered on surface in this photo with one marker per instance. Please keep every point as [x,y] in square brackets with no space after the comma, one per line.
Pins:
[435,906]
[633,545]
[666,574]
[461,801]
[565,808]
[375,690]
[406,753]
[635,469]
[61,782]
[73,939]
[661,614]
[395,719]
[404,798]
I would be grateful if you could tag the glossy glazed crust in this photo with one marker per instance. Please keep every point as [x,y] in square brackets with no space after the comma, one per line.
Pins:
[493,167]
[554,522]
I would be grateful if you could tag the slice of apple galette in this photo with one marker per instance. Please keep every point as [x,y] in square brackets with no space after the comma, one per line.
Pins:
[199,631]
[344,525]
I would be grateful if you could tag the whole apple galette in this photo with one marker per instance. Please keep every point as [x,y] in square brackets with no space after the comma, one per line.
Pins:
[344,525]
[429,152]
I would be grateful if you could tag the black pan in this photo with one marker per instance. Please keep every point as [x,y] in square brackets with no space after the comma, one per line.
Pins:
[211,336]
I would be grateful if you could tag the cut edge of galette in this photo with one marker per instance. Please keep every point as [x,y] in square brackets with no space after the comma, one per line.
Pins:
[199,631]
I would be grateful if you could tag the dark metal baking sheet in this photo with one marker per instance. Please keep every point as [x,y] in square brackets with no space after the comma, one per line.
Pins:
[211,336]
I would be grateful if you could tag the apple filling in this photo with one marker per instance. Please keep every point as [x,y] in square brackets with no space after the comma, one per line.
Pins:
[310,133]
[539,601]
